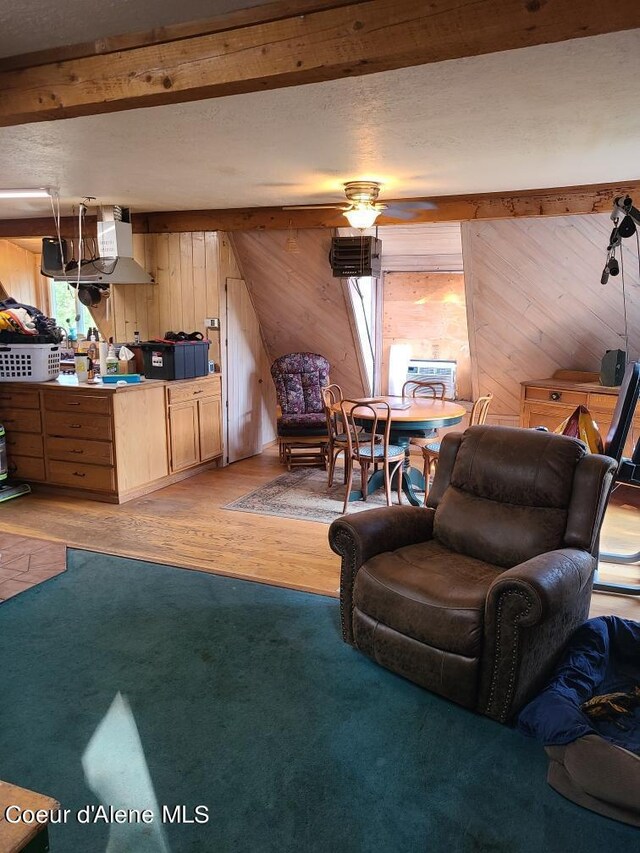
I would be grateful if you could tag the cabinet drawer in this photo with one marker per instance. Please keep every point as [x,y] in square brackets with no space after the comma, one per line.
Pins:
[77,402]
[81,476]
[26,468]
[80,425]
[606,402]
[19,399]
[556,395]
[21,420]
[80,450]
[24,444]
[194,390]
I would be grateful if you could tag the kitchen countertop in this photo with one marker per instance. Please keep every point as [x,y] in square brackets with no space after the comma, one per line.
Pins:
[70,383]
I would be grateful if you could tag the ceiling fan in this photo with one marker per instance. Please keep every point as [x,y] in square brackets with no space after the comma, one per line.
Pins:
[363,207]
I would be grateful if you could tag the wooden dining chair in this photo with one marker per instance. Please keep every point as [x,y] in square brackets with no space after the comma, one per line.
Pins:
[366,449]
[332,395]
[337,431]
[431,449]
[420,388]
[423,388]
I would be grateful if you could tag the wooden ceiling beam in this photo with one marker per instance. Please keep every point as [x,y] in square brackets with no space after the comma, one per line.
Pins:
[327,44]
[563,201]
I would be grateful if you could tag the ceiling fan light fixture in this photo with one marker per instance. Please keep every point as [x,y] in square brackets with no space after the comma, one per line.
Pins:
[362,216]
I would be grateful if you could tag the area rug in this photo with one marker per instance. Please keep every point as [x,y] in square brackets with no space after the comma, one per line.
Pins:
[303,493]
[245,701]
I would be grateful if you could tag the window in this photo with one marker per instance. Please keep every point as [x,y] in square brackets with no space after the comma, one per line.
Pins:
[65,307]
[363,293]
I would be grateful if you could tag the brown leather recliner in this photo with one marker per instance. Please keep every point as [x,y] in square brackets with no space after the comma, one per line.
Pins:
[474,596]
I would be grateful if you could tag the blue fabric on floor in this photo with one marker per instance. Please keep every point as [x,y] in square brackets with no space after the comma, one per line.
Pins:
[603,656]
[247,700]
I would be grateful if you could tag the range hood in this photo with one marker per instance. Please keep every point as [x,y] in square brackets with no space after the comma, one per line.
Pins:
[114,263]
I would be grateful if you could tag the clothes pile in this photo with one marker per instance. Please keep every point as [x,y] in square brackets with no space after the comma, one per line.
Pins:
[21,323]
[588,718]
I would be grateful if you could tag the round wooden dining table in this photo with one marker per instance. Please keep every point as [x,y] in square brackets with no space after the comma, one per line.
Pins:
[410,417]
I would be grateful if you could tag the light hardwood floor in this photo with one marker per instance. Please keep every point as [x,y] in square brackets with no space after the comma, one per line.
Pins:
[185,525]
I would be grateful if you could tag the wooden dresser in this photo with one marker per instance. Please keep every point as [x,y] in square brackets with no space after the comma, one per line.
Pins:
[110,443]
[547,402]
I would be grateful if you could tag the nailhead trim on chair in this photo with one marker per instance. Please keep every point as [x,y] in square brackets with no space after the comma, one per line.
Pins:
[514,652]
[338,539]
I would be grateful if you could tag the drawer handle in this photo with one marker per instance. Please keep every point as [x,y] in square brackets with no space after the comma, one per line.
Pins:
[198,392]
[78,474]
[73,402]
[555,395]
[8,420]
[75,426]
[76,451]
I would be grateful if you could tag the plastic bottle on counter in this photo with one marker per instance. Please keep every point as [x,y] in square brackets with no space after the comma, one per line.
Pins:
[103,351]
[112,360]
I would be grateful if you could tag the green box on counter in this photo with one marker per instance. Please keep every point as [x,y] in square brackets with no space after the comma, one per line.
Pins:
[179,360]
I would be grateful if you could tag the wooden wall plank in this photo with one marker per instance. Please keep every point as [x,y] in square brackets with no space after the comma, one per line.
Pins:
[301,307]
[427,311]
[19,274]
[535,302]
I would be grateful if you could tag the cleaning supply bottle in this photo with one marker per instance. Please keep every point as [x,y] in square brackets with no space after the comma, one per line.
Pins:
[112,359]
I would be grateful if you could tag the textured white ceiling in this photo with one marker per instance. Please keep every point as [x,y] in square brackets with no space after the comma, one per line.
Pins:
[40,24]
[546,116]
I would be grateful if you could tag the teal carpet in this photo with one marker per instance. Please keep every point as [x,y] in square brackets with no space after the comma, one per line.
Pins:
[247,701]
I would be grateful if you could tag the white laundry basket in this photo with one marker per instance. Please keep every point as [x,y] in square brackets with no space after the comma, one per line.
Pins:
[29,362]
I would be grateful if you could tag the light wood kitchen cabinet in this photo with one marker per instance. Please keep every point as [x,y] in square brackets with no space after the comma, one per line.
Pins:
[548,402]
[111,443]
[183,435]
[210,428]
[195,422]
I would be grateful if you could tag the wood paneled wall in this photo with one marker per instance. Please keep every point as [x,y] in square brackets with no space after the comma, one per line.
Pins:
[190,270]
[535,302]
[20,276]
[301,307]
[427,311]
[229,268]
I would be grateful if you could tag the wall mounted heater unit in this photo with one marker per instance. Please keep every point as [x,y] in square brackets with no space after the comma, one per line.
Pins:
[355,256]
[434,370]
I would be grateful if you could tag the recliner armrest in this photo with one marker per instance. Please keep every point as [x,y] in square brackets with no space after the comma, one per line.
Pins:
[530,613]
[548,582]
[358,537]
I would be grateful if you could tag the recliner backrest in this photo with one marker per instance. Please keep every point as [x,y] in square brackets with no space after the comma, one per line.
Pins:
[299,377]
[504,495]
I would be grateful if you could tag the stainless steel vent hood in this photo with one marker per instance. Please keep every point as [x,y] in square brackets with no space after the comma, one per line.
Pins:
[114,263]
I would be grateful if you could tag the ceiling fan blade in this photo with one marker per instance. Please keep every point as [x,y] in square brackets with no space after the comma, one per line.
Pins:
[315,207]
[409,209]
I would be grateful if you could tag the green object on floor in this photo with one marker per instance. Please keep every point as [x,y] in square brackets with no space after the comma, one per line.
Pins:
[247,701]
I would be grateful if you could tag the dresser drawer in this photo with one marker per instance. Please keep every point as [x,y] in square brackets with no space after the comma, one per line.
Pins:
[26,468]
[556,395]
[77,402]
[604,402]
[19,399]
[81,476]
[24,444]
[80,450]
[194,390]
[21,420]
[79,425]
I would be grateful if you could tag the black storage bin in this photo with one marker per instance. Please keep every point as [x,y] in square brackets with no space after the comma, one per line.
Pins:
[180,360]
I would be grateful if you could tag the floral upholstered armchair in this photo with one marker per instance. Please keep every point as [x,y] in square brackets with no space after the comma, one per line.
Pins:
[299,378]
